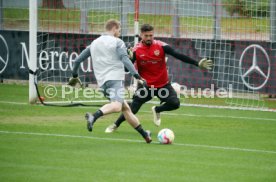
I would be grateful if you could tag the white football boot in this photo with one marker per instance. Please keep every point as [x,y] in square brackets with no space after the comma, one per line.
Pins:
[111,128]
[156,117]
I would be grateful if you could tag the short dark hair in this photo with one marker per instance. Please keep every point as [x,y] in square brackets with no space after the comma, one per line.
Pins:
[146,28]
[112,23]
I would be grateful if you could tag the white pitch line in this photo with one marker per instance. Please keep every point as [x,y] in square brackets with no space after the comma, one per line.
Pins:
[17,103]
[226,148]
[170,113]
[140,141]
[215,116]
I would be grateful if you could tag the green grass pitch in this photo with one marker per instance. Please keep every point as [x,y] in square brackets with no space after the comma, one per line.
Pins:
[40,143]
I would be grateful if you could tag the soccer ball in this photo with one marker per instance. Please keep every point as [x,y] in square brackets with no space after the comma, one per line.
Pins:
[165,136]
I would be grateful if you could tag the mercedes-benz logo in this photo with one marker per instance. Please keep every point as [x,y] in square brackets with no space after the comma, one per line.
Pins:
[4,59]
[254,68]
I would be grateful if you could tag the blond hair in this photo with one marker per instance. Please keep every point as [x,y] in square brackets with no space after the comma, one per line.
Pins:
[112,23]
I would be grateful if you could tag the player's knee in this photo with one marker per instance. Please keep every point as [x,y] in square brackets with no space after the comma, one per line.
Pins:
[174,103]
[126,107]
[135,106]
[117,107]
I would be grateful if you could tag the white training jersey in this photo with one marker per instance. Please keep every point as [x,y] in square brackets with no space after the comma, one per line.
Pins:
[105,59]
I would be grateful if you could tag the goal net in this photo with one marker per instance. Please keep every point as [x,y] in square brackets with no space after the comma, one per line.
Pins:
[239,36]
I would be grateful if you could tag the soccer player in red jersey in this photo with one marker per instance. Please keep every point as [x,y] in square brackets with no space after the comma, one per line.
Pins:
[149,56]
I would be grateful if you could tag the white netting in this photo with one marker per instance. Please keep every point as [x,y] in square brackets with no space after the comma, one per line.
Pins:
[217,29]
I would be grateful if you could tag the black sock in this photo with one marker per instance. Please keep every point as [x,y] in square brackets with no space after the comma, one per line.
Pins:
[134,106]
[141,131]
[120,120]
[97,114]
[157,109]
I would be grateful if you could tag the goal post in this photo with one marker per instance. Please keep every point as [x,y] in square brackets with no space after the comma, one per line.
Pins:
[136,22]
[32,50]
[239,38]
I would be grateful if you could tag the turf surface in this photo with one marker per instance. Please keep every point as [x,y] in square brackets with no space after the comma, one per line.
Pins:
[39,143]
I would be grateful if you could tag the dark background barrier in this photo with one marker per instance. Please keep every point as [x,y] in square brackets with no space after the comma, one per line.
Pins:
[60,49]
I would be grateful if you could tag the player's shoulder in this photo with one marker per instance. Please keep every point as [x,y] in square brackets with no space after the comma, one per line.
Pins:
[120,42]
[137,46]
[159,43]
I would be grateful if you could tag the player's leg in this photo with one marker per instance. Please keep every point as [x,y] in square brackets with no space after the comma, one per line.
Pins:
[134,122]
[134,106]
[112,90]
[104,110]
[170,101]
[140,97]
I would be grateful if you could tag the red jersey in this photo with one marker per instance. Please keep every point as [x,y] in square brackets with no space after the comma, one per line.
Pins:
[151,63]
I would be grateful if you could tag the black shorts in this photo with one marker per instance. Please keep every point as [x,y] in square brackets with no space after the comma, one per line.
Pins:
[164,93]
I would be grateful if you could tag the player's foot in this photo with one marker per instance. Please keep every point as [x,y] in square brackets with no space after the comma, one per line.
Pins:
[148,137]
[111,128]
[156,117]
[90,121]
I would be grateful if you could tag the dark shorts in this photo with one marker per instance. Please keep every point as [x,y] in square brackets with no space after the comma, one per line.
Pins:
[164,93]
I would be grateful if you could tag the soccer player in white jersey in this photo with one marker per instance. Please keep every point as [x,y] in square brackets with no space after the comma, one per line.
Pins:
[109,57]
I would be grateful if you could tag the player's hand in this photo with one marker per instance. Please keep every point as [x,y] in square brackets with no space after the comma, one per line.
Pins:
[129,52]
[142,82]
[205,64]
[74,81]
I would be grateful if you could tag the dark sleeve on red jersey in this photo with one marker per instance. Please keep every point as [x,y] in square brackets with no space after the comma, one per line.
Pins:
[169,50]
[134,57]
